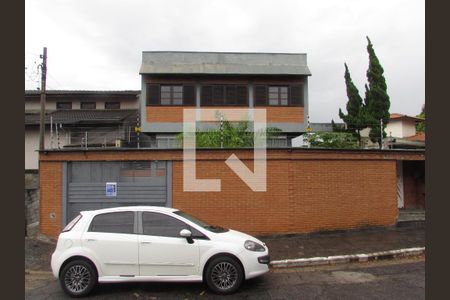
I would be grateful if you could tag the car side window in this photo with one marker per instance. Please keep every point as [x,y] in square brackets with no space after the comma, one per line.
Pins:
[158,224]
[115,222]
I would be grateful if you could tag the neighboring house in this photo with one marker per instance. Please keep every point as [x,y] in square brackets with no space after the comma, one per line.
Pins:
[104,117]
[401,133]
[172,81]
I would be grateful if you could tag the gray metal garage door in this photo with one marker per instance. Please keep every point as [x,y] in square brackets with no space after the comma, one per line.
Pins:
[138,183]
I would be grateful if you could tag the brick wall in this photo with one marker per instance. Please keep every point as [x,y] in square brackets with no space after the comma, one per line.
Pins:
[302,196]
[51,198]
[288,114]
[308,190]
[276,114]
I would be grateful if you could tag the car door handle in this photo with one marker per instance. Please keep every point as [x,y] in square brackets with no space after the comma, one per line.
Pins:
[146,243]
[91,240]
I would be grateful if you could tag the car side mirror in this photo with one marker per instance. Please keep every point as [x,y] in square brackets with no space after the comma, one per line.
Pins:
[186,233]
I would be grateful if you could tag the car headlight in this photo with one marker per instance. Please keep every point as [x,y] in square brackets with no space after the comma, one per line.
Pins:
[254,246]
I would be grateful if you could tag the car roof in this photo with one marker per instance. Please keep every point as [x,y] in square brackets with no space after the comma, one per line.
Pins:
[130,208]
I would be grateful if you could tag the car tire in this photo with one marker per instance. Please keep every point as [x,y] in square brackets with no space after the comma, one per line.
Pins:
[78,278]
[224,275]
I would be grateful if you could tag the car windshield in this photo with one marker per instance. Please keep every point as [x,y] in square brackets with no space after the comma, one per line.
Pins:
[212,228]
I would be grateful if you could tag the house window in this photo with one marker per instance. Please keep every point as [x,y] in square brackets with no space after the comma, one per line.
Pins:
[88,105]
[165,94]
[63,105]
[278,95]
[112,105]
[224,95]
[171,95]
[291,95]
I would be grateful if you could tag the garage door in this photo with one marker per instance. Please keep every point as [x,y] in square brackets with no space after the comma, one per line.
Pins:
[137,183]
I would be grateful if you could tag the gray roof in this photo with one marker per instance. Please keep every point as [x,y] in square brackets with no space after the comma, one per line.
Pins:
[168,62]
[83,116]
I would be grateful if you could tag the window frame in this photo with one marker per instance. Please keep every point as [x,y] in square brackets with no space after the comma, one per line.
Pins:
[278,99]
[63,102]
[225,88]
[265,101]
[112,102]
[88,102]
[140,226]
[135,222]
[171,94]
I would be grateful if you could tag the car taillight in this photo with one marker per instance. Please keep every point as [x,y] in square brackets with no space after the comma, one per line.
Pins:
[72,223]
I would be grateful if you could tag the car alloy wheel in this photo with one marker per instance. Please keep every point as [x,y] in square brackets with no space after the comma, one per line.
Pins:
[224,275]
[78,278]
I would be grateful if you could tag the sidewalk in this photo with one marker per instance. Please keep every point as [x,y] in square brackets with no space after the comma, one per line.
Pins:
[346,242]
[37,252]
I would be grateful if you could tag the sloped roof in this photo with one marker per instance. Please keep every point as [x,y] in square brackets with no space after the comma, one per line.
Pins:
[230,63]
[419,137]
[396,116]
[82,116]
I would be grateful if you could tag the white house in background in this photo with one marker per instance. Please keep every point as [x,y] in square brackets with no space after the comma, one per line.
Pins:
[401,126]
[400,131]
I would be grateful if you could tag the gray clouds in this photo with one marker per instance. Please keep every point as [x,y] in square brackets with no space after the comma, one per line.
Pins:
[97,44]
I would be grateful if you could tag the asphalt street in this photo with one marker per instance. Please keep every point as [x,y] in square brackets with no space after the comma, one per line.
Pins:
[390,279]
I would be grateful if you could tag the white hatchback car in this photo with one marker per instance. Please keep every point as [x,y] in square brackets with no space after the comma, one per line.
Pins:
[149,243]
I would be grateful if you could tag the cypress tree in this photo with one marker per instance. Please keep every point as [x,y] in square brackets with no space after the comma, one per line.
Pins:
[377,99]
[355,109]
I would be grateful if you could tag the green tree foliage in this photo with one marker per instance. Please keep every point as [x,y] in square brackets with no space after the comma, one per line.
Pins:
[420,126]
[355,117]
[335,140]
[233,135]
[377,100]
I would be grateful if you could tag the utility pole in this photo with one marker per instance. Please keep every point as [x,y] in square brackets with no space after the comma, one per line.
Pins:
[381,132]
[42,119]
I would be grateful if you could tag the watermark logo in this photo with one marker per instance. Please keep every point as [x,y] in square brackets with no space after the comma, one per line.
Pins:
[256,179]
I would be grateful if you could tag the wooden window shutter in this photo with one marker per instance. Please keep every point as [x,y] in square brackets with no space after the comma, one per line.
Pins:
[206,95]
[189,95]
[152,94]
[260,96]
[241,95]
[218,94]
[230,94]
[296,95]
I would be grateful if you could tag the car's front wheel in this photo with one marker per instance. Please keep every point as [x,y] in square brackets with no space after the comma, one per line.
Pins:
[224,275]
[78,278]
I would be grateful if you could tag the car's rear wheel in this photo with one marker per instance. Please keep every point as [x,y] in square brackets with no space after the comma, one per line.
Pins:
[224,275]
[78,278]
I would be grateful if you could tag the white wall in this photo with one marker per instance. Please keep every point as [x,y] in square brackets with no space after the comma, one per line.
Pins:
[51,105]
[394,128]
[32,145]
[401,128]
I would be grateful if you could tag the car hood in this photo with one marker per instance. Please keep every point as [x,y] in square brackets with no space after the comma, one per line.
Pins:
[235,236]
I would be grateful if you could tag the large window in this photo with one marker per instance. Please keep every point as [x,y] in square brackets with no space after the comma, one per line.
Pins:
[116,222]
[278,95]
[223,95]
[63,105]
[167,94]
[171,95]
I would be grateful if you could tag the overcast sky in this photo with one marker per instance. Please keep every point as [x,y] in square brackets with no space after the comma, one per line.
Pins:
[98,44]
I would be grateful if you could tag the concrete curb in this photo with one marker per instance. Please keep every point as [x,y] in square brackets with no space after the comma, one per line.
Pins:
[340,259]
[33,272]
